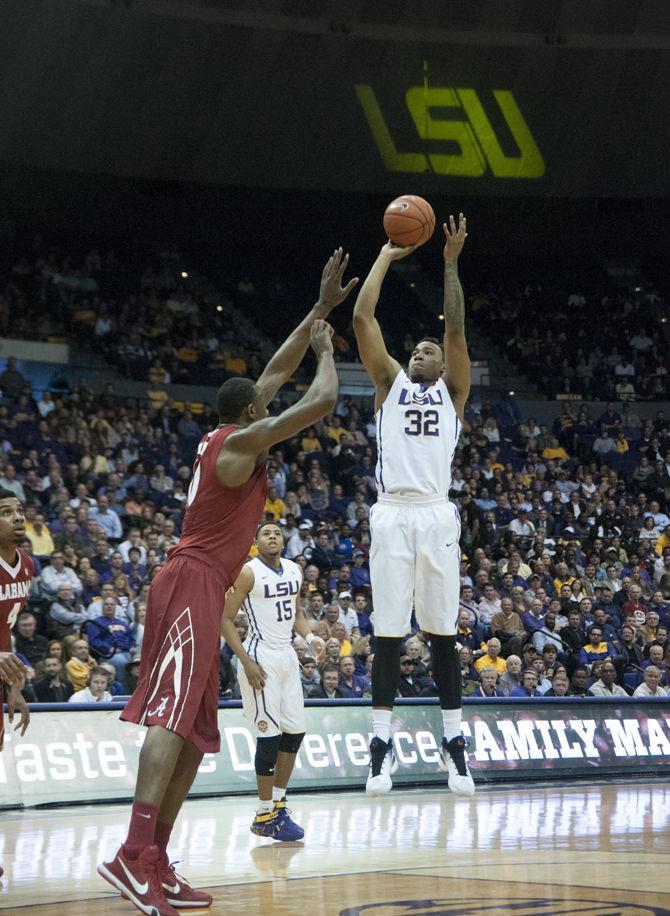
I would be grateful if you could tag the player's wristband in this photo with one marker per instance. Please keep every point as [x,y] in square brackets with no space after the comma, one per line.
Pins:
[309,639]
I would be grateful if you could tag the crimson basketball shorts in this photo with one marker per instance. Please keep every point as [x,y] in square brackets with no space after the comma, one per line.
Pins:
[2,718]
[178,687]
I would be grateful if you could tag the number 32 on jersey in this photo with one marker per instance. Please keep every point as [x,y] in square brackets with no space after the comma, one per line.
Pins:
[422,422]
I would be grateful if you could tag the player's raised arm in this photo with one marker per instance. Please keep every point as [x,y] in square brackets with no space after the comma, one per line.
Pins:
[234,599]
[458,373]
[381,367]
[289,356]
[238,456]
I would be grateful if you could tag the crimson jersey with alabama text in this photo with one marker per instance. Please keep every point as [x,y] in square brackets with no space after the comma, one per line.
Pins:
[220,521]
[14,587]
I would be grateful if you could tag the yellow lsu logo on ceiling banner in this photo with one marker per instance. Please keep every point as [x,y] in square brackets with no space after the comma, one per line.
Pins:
[473,133]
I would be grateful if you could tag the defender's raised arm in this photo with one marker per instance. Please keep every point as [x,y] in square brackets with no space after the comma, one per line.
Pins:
[240,452]
[289,356]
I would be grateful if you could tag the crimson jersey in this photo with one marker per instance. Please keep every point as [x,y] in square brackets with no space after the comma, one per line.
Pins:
[220,521]
[14,587]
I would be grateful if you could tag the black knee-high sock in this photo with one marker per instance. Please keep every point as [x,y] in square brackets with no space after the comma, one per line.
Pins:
[386,672]
[446,670]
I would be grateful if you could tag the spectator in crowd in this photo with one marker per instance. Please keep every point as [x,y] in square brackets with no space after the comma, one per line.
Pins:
[96,690]
[469,674]
[528,686]
[411,684]
[605,686]
[491,659]
[488,605]
[347,614]
[27,641]
[66,614]
[489,684]
[329,686]
[609,631]
[560,685]
[573,636]
[354,685]
[595,648]
[656,658]
[651,686]
[134,569]
[331,616]
[508,628]
[112,638]
[12,381]
[631,654]
[302,543]
[79,666]
[38,533]
[548,635]
[511,679]
[52,687]
[114,686]
[106,519]
[57,574]
[69,536]
[309,675]
[543,682]
[9,481]
[579,684]
[360,575]
[131,675]
[465,634]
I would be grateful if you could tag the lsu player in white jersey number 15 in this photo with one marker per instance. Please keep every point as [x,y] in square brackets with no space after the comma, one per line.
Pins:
[414,556]
[267,590]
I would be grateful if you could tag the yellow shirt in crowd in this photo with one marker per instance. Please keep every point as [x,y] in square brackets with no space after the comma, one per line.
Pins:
[78,673]
[42,543]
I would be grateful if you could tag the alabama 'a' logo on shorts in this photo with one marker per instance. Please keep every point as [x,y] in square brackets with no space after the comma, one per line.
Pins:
[172,672]
[262,726]
[160,709]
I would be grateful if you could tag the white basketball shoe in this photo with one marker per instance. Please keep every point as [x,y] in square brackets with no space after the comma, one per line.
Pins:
[453,760]
[382,765]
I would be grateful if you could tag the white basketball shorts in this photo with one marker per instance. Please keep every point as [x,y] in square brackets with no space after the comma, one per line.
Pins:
[414,563]
[280,706]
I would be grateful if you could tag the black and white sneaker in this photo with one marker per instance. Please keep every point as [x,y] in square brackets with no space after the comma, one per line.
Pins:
[382,765]
[454,761]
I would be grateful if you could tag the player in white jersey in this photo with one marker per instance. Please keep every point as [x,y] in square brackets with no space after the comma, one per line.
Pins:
[414,555]
[267,590]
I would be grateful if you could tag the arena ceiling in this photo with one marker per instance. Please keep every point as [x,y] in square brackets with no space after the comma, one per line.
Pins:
[517,97]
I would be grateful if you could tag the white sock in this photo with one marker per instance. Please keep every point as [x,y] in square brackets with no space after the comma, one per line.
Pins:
[277,793]
[264,807]
[451,722]
[381,723]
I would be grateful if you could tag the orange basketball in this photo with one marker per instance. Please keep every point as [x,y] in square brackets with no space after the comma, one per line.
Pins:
[409,220]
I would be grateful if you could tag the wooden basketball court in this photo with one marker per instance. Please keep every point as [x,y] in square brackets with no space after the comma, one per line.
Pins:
[594,850]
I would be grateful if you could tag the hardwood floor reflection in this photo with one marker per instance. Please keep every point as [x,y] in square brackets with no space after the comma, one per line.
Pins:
[600,849]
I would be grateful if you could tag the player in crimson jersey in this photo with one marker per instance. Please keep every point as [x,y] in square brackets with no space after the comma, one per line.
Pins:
[177,693]
[16,573]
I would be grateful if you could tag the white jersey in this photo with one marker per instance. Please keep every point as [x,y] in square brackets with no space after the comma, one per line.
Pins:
[417,432]
[270,605]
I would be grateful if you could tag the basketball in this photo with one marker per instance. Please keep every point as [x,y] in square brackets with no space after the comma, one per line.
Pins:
[409,220]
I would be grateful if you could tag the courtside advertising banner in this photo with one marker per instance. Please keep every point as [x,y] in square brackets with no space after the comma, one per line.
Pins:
[87,755]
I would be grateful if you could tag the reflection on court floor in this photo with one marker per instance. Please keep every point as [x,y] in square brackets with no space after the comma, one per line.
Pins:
[539,834]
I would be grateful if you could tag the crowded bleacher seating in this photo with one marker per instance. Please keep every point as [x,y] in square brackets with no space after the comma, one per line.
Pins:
[565,526]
